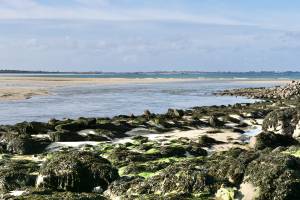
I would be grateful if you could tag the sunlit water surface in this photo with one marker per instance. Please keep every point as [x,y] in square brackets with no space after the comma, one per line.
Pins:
[107,101]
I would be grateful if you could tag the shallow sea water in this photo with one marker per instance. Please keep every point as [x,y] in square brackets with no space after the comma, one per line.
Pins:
[108,101]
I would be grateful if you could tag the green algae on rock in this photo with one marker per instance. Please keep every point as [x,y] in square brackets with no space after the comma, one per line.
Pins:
[77,172]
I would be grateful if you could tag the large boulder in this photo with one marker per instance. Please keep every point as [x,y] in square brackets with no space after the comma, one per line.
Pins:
[15,174]
[230,165]
[28,128]
[274,175]
[284,122]
[179,179]
[271,140]
[207,141]
[16,143]
[77,172]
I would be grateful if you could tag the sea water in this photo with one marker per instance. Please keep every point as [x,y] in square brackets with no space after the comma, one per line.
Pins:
[110,100]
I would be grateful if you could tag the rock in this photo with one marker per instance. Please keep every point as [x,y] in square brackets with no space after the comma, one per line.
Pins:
[148,114]
[186,179]
[271,140]
[149,168]
[172,151]
[77,172]
[28,128]
[196,150]
[207,141]
[289,91]
[282,122]
[215,122]
[65,136]
[72,126]
[275,175]
[230,166]
[54,195]
[22,144]
[122,156]
[121,187]
[16,174]
[175,113]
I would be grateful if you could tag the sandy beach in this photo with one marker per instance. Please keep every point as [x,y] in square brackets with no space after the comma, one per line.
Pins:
[19,88]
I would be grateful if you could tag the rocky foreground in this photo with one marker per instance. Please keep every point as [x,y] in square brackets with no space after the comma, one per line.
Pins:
[155,156]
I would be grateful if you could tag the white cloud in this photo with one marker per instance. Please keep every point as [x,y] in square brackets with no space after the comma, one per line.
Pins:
[101,10]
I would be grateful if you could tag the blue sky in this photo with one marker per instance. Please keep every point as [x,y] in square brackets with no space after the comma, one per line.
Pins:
[149,35]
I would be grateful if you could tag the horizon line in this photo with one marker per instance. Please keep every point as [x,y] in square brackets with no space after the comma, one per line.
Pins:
[155,71]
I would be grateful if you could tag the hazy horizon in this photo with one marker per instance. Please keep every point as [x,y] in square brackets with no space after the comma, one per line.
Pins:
[154,71]
[141,35]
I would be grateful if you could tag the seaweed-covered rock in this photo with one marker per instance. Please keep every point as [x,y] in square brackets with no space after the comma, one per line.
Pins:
[230,165]
[147,169]
[172,150]
[16,174]
[77,172]
[186,179]
[16,143]
[214,121]
[72,126]
[122,156]
[282,122]
[289,91]
[28,128]
[121,188]
[41,194]
[195,149]
[275,175]
[272,140]
[65,136]
[175,113]
[207,141]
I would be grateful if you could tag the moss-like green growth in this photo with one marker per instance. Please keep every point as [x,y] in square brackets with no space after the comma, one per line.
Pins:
[294,151]
[147,174]
[152,151]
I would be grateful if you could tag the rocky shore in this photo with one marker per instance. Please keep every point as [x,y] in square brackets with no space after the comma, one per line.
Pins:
[241,151]
[289,91]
